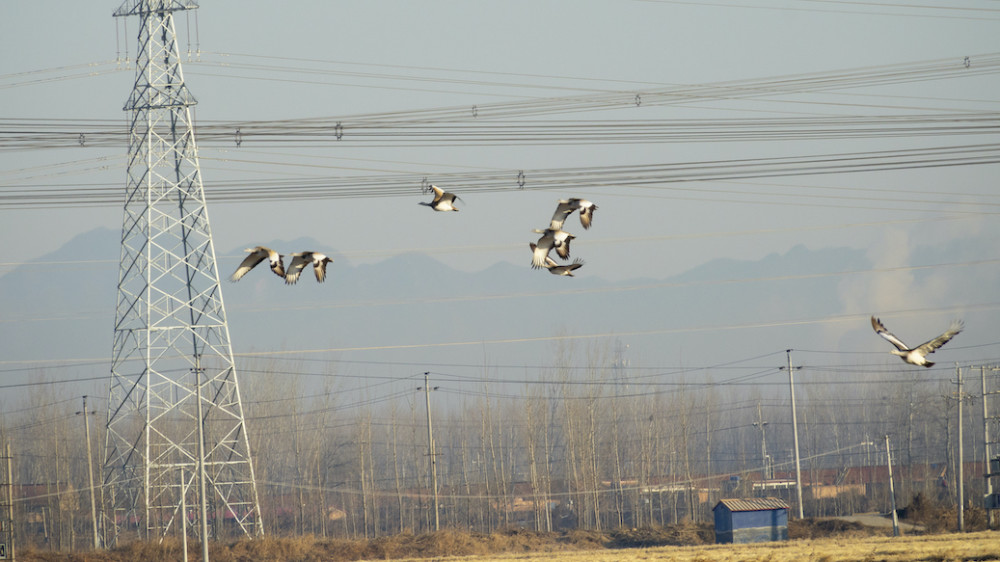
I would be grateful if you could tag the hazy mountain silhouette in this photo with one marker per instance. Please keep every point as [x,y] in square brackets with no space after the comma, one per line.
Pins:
[415,300]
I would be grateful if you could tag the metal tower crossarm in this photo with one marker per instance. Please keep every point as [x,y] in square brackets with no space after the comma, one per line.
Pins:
[140,7]
[175,410]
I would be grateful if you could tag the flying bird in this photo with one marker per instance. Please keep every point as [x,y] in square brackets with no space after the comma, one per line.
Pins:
[443,201]
[257,255]
[556,269]
[303,259]
[917,355]
[557,239]
[567,207]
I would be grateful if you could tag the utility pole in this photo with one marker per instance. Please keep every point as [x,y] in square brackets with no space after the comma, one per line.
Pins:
[90,472]
[892,489]
[431,453]
[795,431]
[184,519]
[760,423]
[203,501]
[7,517]
[961,469]
[991,505]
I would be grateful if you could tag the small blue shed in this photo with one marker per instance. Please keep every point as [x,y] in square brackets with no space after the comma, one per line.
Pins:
[751,520]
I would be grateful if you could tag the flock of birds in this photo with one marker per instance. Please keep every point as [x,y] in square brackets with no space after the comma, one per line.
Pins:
[553,238]
[299,262]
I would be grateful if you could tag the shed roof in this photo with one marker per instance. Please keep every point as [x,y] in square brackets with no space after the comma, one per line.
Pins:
[752,504]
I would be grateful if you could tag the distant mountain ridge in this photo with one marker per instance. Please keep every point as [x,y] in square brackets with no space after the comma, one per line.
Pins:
[797,261]
[414,299]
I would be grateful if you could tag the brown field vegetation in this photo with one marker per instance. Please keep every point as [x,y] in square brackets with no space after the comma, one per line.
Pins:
[824,540]
[984,545]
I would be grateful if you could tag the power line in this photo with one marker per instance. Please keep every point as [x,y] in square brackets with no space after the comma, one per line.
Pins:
[543,179]
[39,133]
[24,133]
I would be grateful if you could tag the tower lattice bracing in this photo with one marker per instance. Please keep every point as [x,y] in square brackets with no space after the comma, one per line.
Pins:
[172,363]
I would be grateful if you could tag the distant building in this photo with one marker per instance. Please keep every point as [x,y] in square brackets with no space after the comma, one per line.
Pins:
[751,520]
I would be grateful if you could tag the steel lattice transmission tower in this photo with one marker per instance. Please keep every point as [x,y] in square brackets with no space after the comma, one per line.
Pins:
[172,364]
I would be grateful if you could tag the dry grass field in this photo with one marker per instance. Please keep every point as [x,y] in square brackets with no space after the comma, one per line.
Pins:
[984,545]
[811,540]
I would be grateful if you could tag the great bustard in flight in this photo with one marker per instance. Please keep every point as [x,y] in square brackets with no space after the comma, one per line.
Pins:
[303,259]
[257,255]
[566,207]
[917,355]
[556,269]
[551,239]
[443,201]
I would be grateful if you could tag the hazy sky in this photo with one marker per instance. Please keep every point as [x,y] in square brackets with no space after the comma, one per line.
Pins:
[721,83]
[262,60]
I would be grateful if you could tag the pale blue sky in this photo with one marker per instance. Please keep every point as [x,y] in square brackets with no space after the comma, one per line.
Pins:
[255,60]
[608,46]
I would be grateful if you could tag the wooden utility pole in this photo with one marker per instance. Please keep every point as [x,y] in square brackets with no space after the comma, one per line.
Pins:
[431,453]
[892,489]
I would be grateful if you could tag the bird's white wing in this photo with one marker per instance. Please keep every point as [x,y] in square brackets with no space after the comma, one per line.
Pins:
[569,268]
[247,264]
[319,267]
[587,214]
[299,261]
[540,251]
[564,209]
[562,240]
[930,346]
[880,330]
